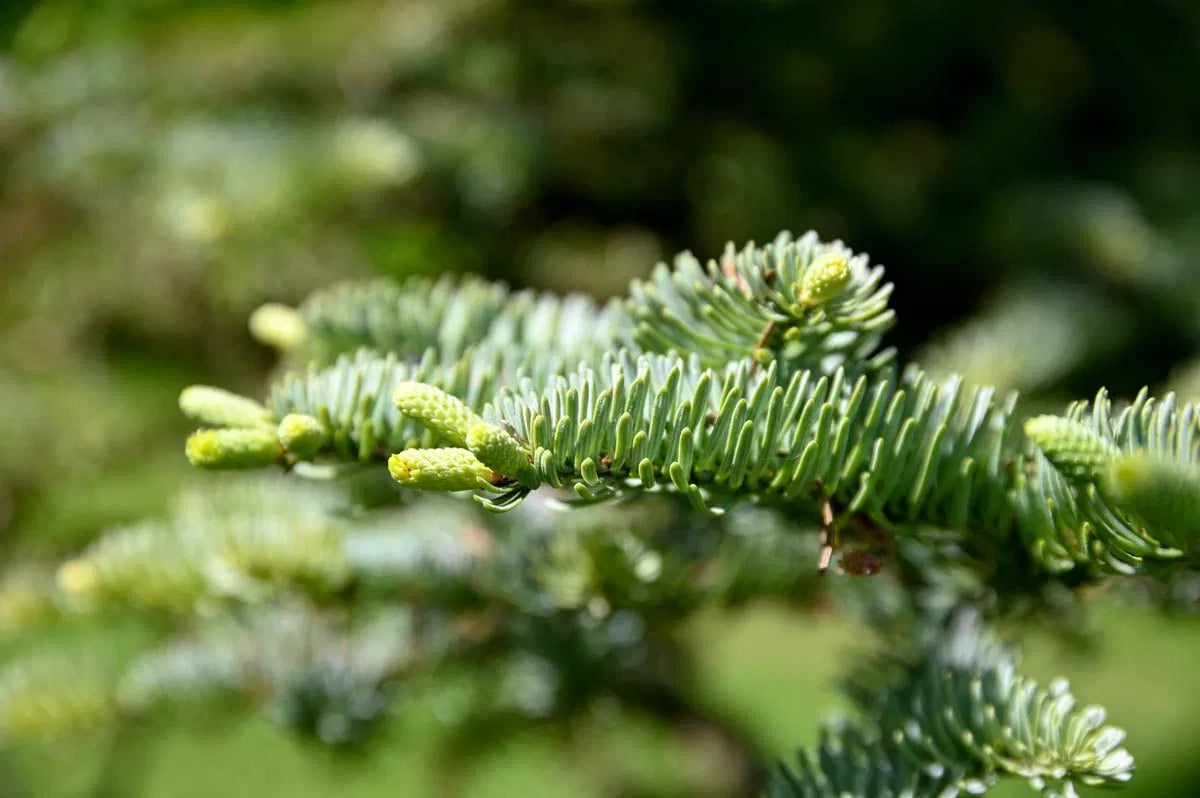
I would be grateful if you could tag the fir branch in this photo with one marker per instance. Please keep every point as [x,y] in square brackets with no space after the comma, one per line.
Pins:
[897,451]
[811,304]
[250,541]
[892,450]
[954,721]
[493,339]
[450,317]
[814,304]
[350,404]
[345,412]
[243,540]
[320,676]
[554,585]
[1067,505]
[316,672]
[400,318]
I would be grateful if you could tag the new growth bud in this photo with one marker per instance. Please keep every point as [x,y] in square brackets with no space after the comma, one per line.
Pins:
[439,411]
[302,435]
[220,408]
[278,325]
[499,451]
[825,278]
[440,469]
[1072,448]
[233,448]
[1163,493]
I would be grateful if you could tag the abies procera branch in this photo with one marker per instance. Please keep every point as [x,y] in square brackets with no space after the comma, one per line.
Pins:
[755,377]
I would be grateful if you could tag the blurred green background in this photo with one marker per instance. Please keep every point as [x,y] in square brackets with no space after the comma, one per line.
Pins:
[1028,172]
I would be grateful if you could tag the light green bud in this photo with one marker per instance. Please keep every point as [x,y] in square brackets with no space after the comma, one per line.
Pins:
[1076,451]
[1165,494]
[233,448]
[279,326]
[440,469]
[499,451]
[439,411]
[302,435]
[218,407]
[825,278]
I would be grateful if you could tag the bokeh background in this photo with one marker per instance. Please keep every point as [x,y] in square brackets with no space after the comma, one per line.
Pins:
[1028,172]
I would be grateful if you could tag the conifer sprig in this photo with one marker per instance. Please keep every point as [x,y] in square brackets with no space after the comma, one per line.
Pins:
[954,720]
[233,541]
[896,449]
[807,303]
[405,319]
[767,417]
[1076,499]
[450,317]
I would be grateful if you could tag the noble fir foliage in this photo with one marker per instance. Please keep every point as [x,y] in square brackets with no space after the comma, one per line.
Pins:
[757,378]
[736,426]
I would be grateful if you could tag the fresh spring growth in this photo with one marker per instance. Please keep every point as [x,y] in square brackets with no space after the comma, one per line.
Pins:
[1165,494]
[439,411]
[499,451]
[302,435]
[279,326]
[440,469]
[825,278]
[220,408]
[233,448]
[1080,454]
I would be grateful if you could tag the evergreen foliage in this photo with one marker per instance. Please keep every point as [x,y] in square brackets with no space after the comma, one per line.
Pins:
[753,380]
[734,425]
[953,719]
[783,419]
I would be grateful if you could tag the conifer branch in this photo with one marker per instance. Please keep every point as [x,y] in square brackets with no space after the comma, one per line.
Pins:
[250,542]
[755,379]
[1079,500]
[450,317]
[810,304]
[405,319]
[953,720]
[323,678]
[237,541]
[737,418]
